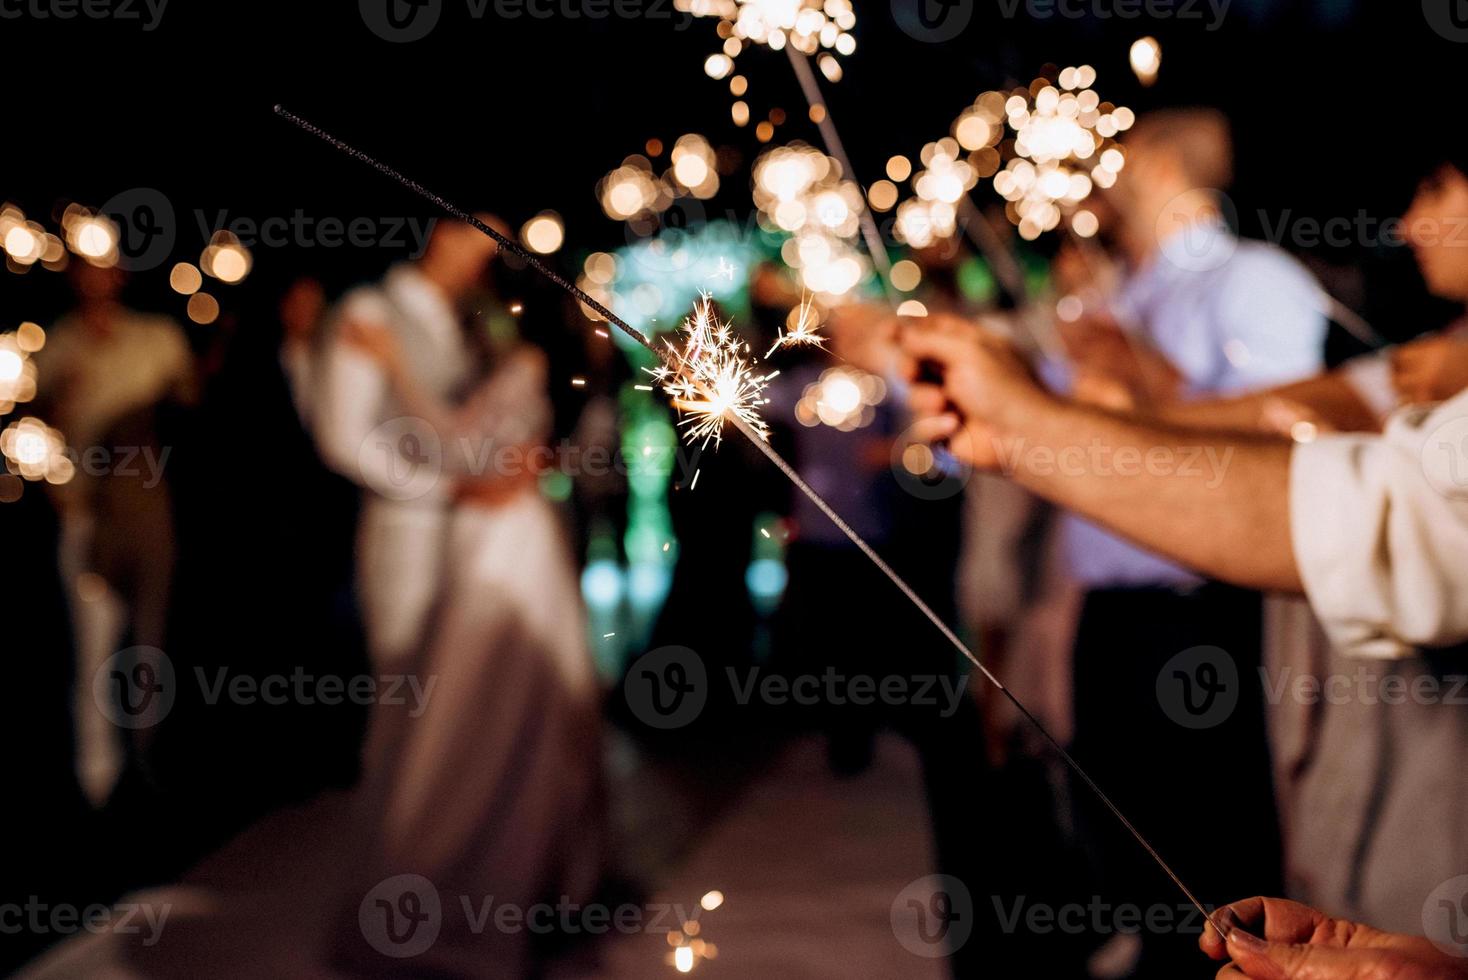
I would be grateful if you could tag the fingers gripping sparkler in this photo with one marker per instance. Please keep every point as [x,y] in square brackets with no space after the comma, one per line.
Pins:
[740,414]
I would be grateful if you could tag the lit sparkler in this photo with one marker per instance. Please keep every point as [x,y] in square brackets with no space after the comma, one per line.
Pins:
[803,333]
[36,451]
[711,378]
[800,190]
[1064,147]
[811,28]
[633,190]
[17,370]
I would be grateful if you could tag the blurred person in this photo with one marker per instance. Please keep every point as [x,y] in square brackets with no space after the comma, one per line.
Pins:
[106,373]
[494,788]
[301,311]
[1205,313]
[480,773]
[1359,841]
[1362,393]
[1371,529]
[367,435]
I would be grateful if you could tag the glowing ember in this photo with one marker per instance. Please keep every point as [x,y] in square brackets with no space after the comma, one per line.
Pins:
[803,333]
[711,378]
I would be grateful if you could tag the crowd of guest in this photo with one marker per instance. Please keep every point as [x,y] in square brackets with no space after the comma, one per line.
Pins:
[1306,519]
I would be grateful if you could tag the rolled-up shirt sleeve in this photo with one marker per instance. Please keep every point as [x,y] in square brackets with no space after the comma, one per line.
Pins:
[1380,532]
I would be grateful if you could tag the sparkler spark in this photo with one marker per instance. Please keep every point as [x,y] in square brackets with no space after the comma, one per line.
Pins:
[710,377]
[1064,145]
[803,333]
[817,28]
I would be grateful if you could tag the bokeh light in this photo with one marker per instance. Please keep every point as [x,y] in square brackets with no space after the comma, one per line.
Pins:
[203,309]
[225,258]
[1146,59]
[185,278]
[543,233]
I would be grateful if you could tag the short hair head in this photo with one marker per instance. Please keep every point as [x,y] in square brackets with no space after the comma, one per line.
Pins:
[1198,140]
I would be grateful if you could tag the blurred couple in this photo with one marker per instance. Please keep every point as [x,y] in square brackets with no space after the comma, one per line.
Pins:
[490,786]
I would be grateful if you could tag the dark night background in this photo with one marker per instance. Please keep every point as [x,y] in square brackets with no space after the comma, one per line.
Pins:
[1331,100]
[1336,106]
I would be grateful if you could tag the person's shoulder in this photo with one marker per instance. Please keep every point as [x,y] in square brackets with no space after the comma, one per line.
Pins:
[1264,263]
[365,301]
[1262,282]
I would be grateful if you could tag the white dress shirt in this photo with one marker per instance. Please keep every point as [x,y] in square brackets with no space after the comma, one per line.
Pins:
[1232,316]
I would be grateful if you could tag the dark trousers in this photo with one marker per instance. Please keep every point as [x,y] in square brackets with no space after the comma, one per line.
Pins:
[1170,722]
[993,829]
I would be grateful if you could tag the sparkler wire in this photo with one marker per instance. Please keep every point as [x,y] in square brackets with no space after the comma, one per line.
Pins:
[791,473]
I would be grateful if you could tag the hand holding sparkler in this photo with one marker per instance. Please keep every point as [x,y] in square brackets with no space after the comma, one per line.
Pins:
[1302,942]
[969,386]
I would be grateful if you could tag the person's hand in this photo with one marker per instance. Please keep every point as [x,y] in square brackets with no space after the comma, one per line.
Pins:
[377,342]
[969,387]
[1431,369]
[1301,943]
[1115,370]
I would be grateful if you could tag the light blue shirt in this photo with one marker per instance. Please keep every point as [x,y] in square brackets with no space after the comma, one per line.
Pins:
[1232,316]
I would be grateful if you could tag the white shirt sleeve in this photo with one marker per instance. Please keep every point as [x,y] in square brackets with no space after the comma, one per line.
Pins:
[1380,532]
[351,423]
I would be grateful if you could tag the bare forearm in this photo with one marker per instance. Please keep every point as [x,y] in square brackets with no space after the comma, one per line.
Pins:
[1328,396]
[1217,502]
